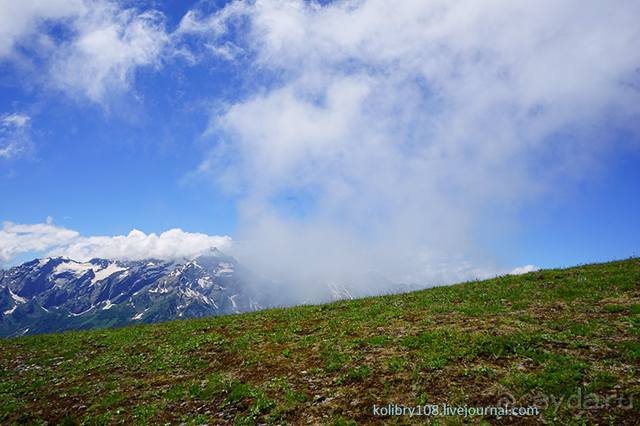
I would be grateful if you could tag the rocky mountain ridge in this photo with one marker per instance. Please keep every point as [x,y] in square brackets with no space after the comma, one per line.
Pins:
[57,294]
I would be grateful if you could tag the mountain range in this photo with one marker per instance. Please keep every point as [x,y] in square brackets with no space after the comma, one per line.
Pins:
[57,294]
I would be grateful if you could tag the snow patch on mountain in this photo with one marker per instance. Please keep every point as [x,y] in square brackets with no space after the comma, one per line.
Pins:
[232,299]
[339,292]
[81,313]
[225,269]
[16,298]
[102,274]
[139,315]
[76,268]
[204,281]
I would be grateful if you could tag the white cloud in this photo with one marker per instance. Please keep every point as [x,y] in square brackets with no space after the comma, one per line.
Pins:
[410,127]
[524,270]
[19,238]
[15,137]
[16,239]
[171,244]
[110,45]
[21,20]
[16,120]
[104,46]
[198,33]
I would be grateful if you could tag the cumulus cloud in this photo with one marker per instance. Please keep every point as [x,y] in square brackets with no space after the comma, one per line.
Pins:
[403,130]
[53,240]
[171,244]
[103,47]
[18,238]
[15,137]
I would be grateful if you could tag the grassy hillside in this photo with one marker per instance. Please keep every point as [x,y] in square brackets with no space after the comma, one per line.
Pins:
[552,334]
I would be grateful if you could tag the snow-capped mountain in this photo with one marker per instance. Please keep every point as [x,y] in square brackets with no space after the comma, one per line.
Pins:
[56,294]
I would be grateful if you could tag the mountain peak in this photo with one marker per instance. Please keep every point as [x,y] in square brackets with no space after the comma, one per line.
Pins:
[93,293]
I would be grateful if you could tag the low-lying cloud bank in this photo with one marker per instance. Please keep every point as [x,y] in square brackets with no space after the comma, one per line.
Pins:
[524,269]
[51,240]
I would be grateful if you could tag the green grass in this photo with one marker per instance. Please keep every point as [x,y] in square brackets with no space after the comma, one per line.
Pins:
[550,334]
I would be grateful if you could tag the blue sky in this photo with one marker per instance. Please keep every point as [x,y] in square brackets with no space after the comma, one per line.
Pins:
[300,127]
[103,172]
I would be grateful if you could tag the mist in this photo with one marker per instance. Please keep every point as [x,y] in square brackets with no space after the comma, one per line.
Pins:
[386,140]
[373,146]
